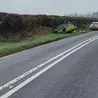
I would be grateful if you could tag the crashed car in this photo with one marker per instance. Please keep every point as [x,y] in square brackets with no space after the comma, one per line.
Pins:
[65,27]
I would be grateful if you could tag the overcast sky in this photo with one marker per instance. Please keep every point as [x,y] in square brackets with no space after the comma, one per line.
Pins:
[55,7]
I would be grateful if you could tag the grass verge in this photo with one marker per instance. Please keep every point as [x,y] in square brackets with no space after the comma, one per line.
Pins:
[7,48]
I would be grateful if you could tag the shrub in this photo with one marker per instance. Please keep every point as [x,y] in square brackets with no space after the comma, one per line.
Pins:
[70,28]
[10,24]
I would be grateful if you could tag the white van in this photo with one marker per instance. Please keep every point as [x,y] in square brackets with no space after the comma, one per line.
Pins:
[94,26]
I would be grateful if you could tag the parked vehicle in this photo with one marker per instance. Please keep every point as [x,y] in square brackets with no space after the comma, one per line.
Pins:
[94,26]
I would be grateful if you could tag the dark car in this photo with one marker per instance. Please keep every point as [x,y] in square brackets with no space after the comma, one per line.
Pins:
[62,27]
[65,27]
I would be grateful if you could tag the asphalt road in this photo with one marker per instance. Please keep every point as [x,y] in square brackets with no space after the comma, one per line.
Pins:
[63,69]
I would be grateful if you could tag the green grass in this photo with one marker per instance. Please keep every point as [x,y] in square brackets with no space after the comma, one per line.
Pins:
[7,48]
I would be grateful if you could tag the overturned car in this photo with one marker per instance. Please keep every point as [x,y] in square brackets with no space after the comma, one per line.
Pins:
[65,28]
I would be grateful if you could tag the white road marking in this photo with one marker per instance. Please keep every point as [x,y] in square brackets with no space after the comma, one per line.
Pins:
[41,65]
[9,93]
[11,87]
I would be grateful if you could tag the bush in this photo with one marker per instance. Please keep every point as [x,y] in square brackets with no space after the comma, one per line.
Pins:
[70,29]
[10,24]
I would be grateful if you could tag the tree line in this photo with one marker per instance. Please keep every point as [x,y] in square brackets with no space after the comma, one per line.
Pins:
[13,24]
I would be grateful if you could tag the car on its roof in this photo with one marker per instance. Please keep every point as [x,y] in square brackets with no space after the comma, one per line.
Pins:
[62,27]
[94,26]
[65,27]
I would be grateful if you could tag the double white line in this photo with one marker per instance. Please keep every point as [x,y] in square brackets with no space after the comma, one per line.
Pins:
[53,61]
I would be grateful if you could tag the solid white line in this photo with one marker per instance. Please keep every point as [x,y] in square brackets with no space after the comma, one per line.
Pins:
[41,65]
[9,93]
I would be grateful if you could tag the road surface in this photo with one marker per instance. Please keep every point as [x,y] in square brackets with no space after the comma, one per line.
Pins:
[63,69]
